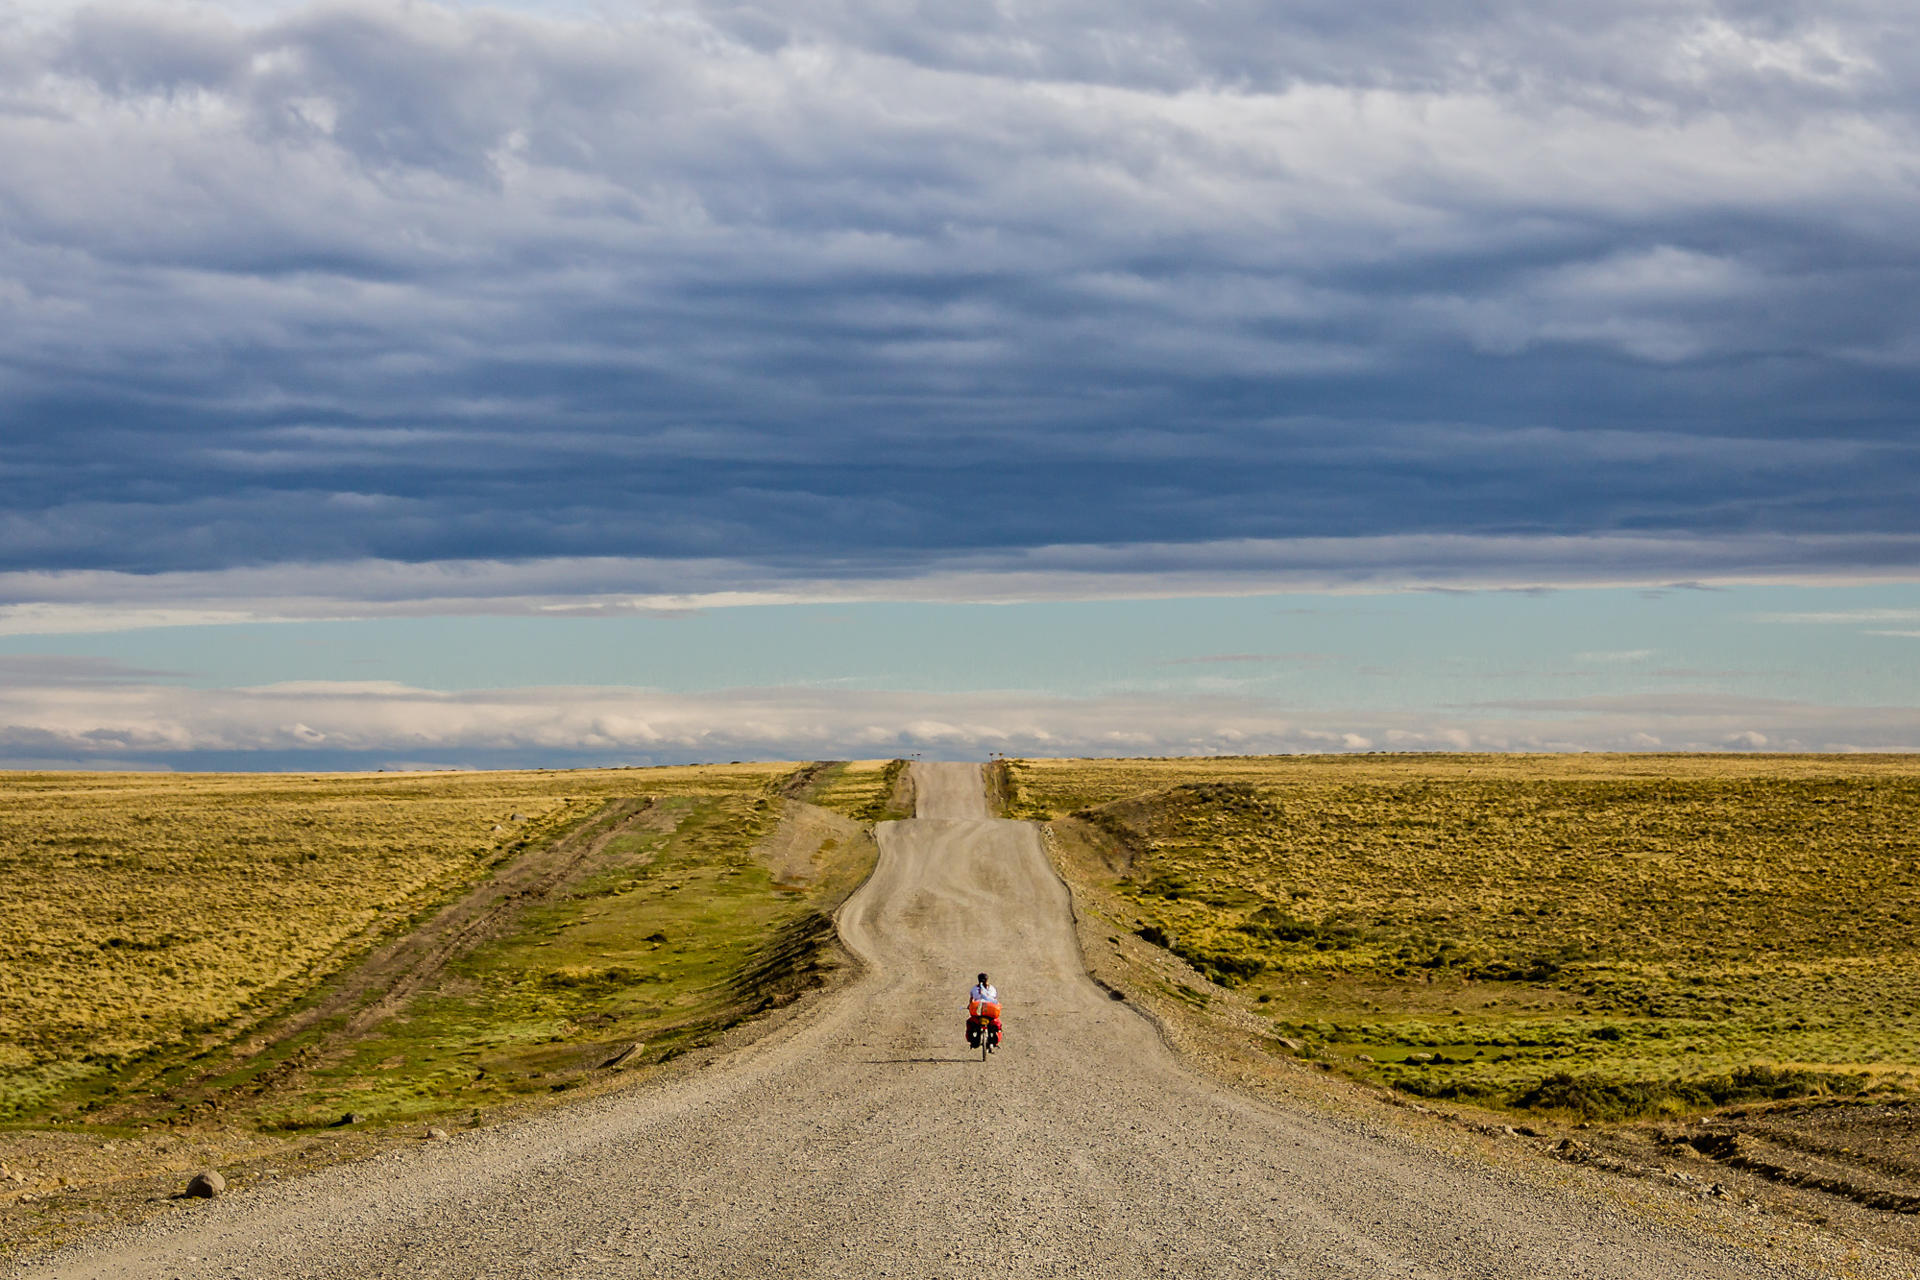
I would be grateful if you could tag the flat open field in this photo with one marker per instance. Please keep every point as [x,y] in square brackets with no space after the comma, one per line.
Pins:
[250,958]
[136,909]
[1596,936]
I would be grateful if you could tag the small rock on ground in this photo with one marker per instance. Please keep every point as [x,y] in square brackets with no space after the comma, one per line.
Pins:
[205,1186]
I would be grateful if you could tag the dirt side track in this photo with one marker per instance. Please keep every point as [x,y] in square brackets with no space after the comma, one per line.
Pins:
[869,1142]
[381,984]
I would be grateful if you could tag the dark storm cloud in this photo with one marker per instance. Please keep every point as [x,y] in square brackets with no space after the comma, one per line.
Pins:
[888,285]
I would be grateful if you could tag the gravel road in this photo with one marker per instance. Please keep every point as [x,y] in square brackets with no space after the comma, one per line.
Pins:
[869,1142]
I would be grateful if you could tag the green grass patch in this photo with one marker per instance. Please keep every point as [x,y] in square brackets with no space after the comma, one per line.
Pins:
[665,946]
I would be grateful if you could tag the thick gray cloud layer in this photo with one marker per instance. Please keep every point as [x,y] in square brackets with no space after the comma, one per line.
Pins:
[880,287]
[100,600]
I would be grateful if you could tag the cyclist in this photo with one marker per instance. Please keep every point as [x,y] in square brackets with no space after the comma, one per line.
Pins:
[983,1014]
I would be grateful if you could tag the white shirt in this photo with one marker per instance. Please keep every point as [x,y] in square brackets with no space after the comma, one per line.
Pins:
[984,991]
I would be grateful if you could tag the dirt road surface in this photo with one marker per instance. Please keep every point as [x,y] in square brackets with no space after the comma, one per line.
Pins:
[869,1142]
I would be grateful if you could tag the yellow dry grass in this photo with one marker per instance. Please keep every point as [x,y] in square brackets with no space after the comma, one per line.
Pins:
[855,787]
[1049,788]
[138,909]
[1616,934]
[862,789]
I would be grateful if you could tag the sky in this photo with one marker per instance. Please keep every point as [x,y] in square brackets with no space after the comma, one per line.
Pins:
[414,384]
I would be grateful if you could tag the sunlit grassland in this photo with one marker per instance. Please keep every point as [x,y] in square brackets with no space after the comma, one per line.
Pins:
[1610,935]
[862,789]
[139,912]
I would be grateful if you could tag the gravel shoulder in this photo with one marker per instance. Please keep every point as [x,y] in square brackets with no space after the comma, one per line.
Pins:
[868,1141]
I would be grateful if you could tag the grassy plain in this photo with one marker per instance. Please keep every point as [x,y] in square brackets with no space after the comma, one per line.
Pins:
[145,918]
[1603,936]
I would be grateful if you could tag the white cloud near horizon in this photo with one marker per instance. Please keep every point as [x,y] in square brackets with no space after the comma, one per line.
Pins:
[364,722]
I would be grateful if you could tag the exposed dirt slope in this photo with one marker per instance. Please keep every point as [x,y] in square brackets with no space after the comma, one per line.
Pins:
[869,1142]
[793,849]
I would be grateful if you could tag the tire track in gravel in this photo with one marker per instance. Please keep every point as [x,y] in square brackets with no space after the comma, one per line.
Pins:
[868,1142]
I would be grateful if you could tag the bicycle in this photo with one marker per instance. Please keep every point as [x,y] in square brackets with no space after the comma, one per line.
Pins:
[987,1017]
